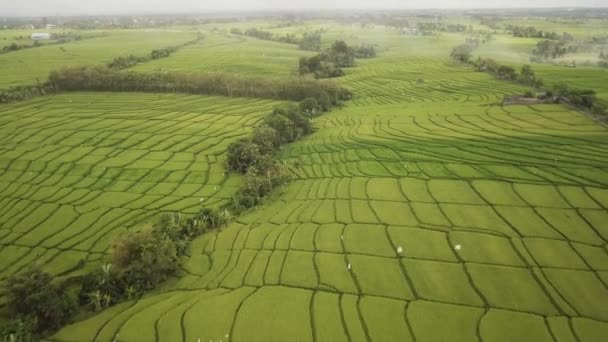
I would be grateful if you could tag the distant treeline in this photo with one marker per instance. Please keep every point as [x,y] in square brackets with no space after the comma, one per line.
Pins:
[532,32]
[310,41]
[330,62]
[125,62]
[432,26]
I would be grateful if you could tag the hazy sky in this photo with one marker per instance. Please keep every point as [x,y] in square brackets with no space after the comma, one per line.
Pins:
[52,7]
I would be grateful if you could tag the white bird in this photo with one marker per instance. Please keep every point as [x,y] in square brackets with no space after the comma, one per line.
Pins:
[349,266]
[399,249]
[341,237]
[202,199]
[457,247]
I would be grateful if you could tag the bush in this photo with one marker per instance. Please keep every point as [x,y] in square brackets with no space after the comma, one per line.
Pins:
[462,53]
[507,73]
[242,154]
[283,126]
[35,296]
[145,259]
[266,138]
[311,107]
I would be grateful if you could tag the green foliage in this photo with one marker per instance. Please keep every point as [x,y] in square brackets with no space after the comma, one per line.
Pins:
[462,53]
[506,73]
[20,329]
[311,41]
[328,63]
[98,78]
[585,98]
[266,138]
[260,34]
[364,51]
[35,296]
[547,50]
[21,93]
[121,63]
[242,154]
[311,107]
[259,181]
[528,77]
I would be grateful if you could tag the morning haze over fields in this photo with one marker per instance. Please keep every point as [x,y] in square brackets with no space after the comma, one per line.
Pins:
[304,171]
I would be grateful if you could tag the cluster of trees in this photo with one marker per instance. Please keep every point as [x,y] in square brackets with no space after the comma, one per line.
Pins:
[99,78]
[550,49]
[584,98]
[41,303]
[252,156]
[526,76]
[310,41]
[462,53]
[125,62]
[330,62]
[532,32]
[37,303]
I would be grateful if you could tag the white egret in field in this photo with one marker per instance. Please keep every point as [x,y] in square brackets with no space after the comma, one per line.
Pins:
[349,267]
[457,247]
[399,249]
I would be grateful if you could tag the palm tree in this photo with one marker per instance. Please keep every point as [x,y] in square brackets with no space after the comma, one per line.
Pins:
[95,298]
[107,300]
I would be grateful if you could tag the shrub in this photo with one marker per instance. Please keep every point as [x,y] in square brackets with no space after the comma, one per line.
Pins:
[283,126]
[311,107]
[266,138]
[144,260]
[242,154]
[35,295]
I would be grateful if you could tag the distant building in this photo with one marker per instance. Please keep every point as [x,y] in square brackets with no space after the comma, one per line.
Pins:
[41,36]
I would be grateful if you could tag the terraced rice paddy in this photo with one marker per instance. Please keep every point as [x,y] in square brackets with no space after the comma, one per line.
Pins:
[79,169]
[421,211]
[233,54]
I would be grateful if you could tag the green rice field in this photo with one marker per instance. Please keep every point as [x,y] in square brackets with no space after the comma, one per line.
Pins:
[421,210]
[80,169]
[24,67]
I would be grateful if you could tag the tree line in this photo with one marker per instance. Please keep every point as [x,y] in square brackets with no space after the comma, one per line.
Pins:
[330,62]
[100,78]
[125,62]
[310,41]
[532,32]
